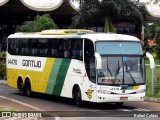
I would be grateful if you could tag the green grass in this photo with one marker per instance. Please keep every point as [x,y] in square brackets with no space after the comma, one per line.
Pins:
[156,81]
[6,109]
[157,62]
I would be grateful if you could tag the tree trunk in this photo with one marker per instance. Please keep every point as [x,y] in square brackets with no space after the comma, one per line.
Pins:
[108,25]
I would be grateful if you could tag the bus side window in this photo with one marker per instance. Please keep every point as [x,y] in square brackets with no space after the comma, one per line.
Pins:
[76,49]
[81,55]
[61,51]
[43,47]
[76,52]
[10,44]
[54,52]
[54,46]
[67,48]
[34,47]
[43,52]
[23,46]
[24,51]
[13,46]
[34,52]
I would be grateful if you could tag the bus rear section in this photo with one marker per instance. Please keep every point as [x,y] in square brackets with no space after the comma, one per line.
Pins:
[44,63]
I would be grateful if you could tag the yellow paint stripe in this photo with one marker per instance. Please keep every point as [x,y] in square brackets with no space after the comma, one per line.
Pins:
[49,64]
[47,71]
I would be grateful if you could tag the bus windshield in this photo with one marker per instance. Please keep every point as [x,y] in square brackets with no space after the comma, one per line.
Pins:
[119,47]
[121,70]
[121,65]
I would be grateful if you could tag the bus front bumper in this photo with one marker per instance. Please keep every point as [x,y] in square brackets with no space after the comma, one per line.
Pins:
[102,98]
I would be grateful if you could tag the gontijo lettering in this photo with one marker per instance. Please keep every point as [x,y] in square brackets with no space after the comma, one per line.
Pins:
[31,63]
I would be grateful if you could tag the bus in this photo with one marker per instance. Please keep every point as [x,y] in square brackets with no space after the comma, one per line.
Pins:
[78,64]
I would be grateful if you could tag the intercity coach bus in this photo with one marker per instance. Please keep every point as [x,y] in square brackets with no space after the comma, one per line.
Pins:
[79,64]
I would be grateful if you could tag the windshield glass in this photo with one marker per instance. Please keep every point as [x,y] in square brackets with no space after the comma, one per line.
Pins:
[121,70]
[119,48]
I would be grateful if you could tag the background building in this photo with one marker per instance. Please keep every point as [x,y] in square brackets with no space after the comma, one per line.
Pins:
[15,12]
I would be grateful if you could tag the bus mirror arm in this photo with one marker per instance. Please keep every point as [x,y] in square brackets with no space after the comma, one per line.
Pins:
[99,61]
[151,60]
[144,53]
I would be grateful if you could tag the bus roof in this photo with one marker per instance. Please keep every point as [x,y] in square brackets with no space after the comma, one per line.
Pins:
[64,31]
[110,36]
[75,33]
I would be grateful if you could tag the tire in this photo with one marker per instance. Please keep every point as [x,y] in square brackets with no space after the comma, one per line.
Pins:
[119,104]
[21,87]
[28,89]
[78,97]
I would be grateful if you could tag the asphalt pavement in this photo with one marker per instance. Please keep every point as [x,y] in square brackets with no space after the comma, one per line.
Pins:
[9,98]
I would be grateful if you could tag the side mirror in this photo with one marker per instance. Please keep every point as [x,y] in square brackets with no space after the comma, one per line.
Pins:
[151,60]
[144,53]
[99,61]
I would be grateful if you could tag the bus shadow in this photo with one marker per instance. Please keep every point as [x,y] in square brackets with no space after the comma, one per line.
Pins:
[71,102]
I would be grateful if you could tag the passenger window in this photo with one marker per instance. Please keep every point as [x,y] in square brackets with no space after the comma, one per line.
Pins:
[23,47]
[77,49]
[67,48]
[33,47]
[43,47]
[54,47]
[24,51]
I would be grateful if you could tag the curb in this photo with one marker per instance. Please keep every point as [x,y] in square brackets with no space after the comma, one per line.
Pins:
[147,99]
[3,81]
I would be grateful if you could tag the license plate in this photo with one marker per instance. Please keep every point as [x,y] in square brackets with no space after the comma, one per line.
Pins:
[123,98]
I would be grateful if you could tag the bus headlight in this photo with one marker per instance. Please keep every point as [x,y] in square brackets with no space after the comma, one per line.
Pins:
[104,91]
[141,91]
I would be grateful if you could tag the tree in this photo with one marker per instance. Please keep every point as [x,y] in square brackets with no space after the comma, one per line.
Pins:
[152,32]
[149,33]
[40,23]
[97,10]
[157,39]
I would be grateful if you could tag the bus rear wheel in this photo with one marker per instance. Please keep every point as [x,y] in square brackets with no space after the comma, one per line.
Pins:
[21,87]
[28,88]
[78,97]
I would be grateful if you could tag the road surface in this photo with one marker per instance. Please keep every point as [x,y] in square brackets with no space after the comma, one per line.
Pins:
[65,109]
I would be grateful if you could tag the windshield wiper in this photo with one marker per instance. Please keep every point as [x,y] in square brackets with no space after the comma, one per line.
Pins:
[128,71]
[117,71]
[108,68]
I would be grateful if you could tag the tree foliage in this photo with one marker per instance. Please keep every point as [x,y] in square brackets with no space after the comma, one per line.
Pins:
[105,10]
[2,66]
[40,23]
[157,38]
[152,32]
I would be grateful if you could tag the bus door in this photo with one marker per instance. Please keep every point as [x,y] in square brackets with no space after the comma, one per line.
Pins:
[89,82]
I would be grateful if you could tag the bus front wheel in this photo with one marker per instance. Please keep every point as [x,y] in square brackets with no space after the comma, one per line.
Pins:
[78,97]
